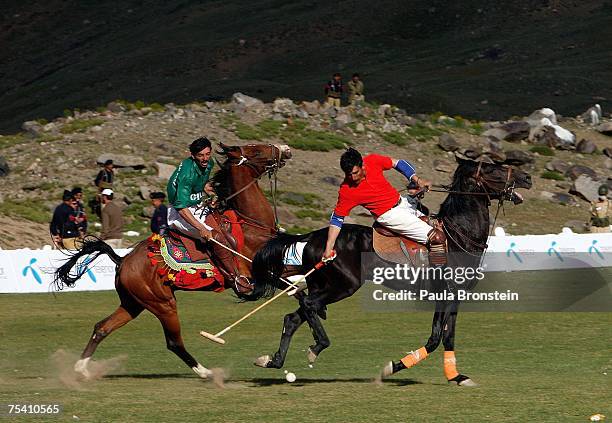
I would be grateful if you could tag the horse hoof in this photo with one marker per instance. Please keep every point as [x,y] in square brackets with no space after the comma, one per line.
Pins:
[202,371]
[312,357]
[462,380]
[387,370]
[468,382]
[263,361]
[81,367]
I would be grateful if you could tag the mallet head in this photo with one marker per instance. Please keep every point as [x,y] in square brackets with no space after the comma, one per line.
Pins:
[212,337]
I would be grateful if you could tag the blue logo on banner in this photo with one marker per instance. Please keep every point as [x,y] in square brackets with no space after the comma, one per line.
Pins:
[594,249]
[552,250]
[89,272]
[25,270]
[514,253]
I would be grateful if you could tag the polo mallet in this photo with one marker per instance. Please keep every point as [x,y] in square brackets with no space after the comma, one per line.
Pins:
[217,337]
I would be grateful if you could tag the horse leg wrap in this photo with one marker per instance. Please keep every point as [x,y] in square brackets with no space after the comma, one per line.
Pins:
[450,365]
[414,357]
[436,244]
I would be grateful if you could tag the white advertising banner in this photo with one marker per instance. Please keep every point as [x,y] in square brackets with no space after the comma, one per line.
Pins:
[32,271]
[26,270]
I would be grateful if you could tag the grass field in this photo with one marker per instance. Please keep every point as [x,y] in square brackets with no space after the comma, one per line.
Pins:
[530,366]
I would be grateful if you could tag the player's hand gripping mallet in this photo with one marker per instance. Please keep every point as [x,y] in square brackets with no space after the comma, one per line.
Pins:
[217,337]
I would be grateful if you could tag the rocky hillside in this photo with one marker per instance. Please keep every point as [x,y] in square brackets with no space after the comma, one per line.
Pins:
[477,58]
[146,141]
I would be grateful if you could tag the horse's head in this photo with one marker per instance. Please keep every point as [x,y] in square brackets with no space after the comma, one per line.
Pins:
[258,157]
[497,180]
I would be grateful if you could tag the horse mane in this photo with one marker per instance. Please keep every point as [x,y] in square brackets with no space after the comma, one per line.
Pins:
[455,204]
[221,178]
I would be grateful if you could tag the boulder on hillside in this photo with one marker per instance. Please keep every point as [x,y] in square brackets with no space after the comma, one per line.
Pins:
[447,143]
[122,160]
[558,197]
[557,166]
[573,172]
[607,152]
[519,157]
[164,171]
[443,166]
[516,130]
[495,134]
[144,192]
[342,119]
[586,187]
[311,107]
[586,147]
[535,118]
[115,107]
[551,135]
[247,102]
[33,128]
[4,167]
[605,128]
[593,115]
[284,106]
[385,110]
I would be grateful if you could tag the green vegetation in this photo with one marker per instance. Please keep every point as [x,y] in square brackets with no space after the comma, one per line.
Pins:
[313,214]
[295,134]
[34,210]
[298,230]
[80,125]
[396,138]
[551,174]
[475,128]
[523,374]
[9,140]
[542,150]
[42,121]
[422,132]
[139,105]
[302,199]
[316,140]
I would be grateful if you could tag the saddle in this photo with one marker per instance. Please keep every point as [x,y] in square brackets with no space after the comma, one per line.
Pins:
[187,263]
[396,248]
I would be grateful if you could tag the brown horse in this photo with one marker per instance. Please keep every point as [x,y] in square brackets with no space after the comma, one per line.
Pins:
[137,281]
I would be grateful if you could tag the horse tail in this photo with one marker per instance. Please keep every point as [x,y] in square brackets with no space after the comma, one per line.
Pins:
[268,265]
[92,248]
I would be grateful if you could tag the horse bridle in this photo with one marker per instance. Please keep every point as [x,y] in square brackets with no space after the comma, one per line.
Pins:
[271,171]
[505,194]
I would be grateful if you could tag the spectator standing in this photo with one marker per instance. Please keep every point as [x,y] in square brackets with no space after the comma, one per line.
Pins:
[333,90]
[104,179]
[355,87]
[600,211]
[81,216]
[63,227]
[159,221]
[112,220]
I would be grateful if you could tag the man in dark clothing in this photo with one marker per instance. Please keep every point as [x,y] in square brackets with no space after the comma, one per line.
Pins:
[81,216]
[105,176]
[63,227]
[333,90]
[104,180]
[159,221]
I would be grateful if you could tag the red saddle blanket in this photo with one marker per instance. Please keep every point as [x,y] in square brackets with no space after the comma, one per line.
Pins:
[183,261]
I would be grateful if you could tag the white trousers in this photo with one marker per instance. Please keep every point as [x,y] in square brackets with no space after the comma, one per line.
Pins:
[404,219]
[176,221]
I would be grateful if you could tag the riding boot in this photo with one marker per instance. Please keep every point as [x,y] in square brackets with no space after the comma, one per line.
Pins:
[224,258]
[436,244]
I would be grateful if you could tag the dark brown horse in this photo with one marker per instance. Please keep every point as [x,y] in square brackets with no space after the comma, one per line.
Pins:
[137,281]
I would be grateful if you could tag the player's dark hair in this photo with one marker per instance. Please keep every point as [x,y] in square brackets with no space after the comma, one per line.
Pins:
[349,159]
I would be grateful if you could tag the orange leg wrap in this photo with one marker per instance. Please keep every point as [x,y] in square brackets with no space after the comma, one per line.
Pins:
[414,357]
[450,365]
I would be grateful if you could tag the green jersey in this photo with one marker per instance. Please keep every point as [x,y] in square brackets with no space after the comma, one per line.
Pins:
[186,185]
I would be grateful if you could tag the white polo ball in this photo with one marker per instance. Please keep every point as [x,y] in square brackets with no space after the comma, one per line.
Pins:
[290,377]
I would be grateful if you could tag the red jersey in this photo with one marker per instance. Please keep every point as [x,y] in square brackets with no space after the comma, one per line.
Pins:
[374,193]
